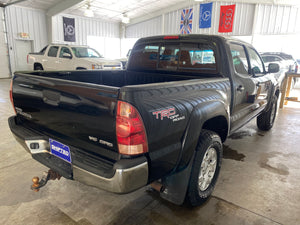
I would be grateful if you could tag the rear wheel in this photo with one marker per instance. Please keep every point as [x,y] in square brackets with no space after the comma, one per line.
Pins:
[266,120]
[206,168]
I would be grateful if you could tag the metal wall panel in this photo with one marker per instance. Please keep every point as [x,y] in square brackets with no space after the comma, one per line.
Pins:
[277,19]
[4,64]
[269,19]
[243,22]
[25,20]
[84,27]
[146,28]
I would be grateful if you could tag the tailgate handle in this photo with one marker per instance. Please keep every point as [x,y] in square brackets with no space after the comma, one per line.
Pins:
[51,97]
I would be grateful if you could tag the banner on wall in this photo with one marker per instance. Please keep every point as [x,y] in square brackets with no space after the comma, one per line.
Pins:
[226,18]
[69,29]
[186,21]
[205,15]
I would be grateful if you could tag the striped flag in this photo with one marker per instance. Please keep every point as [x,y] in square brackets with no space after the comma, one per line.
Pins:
[186,21]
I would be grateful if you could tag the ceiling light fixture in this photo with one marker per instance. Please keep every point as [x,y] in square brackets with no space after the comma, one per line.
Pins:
[88,12]
[125,19]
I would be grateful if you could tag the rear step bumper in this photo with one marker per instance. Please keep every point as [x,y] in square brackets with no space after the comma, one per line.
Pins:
[130,174]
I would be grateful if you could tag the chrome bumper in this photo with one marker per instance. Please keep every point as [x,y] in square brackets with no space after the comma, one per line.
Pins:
[130,174]
[123,181]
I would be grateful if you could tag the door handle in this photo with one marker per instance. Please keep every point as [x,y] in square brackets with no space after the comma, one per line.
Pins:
[240,88]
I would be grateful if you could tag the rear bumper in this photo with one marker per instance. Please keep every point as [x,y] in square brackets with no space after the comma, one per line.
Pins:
[129,174]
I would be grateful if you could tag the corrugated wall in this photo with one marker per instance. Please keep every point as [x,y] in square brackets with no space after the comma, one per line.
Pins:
[144,29]
[25,20]
[84,27]
[275,19]
[271,19]
[3,49]
[243,20]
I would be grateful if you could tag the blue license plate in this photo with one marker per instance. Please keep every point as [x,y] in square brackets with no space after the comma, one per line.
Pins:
[60,150]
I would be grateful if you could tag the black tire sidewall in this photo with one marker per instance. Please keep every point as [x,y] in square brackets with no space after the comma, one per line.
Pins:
[207,140]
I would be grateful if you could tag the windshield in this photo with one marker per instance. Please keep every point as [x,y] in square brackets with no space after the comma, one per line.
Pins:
[84,52]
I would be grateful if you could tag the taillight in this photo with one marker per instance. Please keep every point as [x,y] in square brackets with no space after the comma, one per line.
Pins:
[11,96]
[130,130]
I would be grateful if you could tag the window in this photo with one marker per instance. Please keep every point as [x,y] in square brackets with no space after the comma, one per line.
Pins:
[197,57]
[168,57]
[53,51]
[64,50]
[239,59]
[267,59]
[84,52]
[188,57]
[255,62]
[144,57]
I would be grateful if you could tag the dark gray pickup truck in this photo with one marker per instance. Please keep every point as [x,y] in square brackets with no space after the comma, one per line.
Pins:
[161,121]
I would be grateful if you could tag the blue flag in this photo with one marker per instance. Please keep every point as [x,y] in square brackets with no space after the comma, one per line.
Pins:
[205,15]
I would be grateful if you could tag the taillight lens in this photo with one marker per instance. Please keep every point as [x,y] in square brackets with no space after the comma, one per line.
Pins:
[11,96]
[130,130]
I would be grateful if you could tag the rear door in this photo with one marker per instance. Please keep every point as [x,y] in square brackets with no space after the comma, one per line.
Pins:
[50,61]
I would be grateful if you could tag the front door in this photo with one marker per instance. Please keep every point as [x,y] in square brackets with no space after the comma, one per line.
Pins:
[249,84]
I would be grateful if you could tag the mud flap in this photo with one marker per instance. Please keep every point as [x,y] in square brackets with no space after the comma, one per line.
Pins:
[175,185]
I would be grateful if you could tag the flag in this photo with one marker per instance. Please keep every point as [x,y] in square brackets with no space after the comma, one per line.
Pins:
[69,29]
[226,18]
[186,21]
[205,15]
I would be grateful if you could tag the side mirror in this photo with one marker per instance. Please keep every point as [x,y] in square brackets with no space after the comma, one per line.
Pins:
[273,68]
[67,55]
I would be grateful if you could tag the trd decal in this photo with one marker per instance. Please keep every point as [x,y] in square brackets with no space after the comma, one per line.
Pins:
[168,113]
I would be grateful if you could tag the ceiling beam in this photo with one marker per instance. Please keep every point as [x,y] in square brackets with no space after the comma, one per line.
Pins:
[2,4]
[61,6]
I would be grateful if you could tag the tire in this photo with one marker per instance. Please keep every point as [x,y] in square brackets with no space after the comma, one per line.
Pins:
[209,150]
[38,67]
[266,120]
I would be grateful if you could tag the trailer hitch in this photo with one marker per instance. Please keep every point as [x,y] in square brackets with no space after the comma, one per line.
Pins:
[37,183]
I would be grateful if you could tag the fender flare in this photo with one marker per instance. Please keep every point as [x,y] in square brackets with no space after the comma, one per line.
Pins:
[201,113]
[176,184]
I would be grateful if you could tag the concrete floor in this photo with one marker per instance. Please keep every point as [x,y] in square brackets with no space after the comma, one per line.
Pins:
[259,184]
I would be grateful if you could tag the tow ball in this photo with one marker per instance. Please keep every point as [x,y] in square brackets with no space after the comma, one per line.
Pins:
[50,175]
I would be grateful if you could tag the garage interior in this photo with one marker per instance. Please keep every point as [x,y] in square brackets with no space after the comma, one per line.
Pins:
[259,181]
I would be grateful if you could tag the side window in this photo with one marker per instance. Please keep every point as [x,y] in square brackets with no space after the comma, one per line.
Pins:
[255,62]
[53,51]
[64,50]
[239,59]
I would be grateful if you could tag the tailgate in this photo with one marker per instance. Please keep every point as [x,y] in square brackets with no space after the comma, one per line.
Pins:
[76,113]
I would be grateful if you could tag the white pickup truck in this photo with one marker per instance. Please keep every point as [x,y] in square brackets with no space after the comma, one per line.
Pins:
[70,57]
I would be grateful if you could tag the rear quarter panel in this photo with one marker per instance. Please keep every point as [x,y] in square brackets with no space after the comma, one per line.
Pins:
[168,110]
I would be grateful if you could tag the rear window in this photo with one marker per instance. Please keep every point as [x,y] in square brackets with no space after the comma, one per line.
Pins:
[188,57]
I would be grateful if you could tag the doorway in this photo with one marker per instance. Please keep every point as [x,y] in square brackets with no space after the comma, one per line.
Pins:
[23,47]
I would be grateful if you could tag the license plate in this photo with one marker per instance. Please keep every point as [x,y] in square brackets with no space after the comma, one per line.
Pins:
[60,150]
